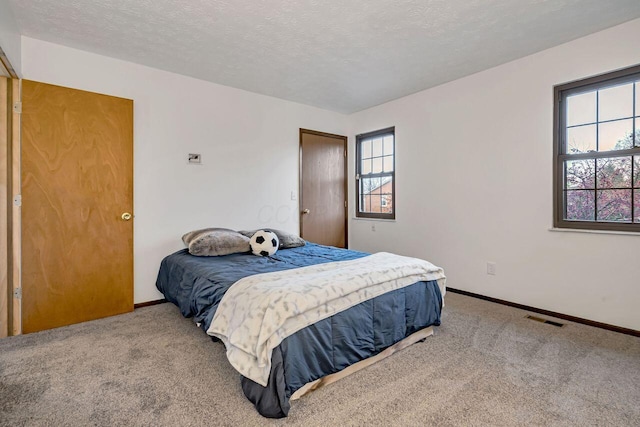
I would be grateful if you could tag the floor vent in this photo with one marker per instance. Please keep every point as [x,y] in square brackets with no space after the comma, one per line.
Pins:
[541,320]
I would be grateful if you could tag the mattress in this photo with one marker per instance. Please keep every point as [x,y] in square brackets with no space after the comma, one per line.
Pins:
[197,284]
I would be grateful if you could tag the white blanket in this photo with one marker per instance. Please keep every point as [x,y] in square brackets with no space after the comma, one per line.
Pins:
[258,312]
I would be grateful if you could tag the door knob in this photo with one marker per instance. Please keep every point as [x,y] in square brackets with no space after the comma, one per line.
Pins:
[306,212]
[126,216]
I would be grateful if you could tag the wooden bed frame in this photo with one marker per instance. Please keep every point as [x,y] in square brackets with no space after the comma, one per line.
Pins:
[321,382]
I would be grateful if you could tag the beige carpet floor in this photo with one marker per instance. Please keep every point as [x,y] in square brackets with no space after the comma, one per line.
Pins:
[486,366]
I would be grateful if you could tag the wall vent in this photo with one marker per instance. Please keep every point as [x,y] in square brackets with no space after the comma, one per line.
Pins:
[541,320]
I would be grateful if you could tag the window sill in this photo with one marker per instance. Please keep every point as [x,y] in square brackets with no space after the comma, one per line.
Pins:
[577,230]
[373,219]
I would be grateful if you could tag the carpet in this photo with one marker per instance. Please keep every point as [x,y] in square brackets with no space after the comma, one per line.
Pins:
[486,365]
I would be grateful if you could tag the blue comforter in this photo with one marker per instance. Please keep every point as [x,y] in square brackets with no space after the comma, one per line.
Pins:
[197,284]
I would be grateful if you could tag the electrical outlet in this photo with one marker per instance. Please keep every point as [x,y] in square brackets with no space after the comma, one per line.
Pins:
[491,268]
[373,227]
[294,196]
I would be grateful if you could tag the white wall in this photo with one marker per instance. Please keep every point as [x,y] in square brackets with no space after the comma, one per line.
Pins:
[10,37]
[474,184]
[474,173]
[249,145]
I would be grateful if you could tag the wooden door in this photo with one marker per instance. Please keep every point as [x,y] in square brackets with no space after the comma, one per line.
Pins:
[323,188]
[77,183]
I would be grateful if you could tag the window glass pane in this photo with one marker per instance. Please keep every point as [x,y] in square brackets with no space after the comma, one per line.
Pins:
[386,189]
[370,185]
[614,205]
[580,205]
[636,206]
[615,102]
[638,127]
[581,109]
[372,192]
[614,172]
[364,202]
[636,171]
[386,206]
[377,147]
[386,186]
[388,145]
[615,135]
[366,167]
[581,139]
[387,163]
[376,201]
[365,197]
[365,149]
[377,165]
[580,174]
[376,187]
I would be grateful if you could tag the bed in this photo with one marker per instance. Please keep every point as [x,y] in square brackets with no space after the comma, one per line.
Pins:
[320,352]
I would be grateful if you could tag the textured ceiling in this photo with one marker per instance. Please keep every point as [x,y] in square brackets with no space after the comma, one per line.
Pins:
[342,55]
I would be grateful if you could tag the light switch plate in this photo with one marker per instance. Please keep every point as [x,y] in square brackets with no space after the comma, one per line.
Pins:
[195,159]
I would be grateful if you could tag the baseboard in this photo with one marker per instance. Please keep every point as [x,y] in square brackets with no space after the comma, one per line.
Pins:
[568,317]
[148,303]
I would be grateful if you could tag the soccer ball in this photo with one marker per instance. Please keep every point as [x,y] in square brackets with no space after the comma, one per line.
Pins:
[264,243]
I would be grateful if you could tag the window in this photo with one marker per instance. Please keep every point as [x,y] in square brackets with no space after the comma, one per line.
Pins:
[375,174]
[597,153]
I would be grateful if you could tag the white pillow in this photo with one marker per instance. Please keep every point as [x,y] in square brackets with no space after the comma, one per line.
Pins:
[216,242]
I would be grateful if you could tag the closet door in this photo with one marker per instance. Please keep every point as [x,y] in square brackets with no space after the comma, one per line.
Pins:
[77,201]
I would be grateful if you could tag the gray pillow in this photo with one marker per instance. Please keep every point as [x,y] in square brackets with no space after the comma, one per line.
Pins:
[215,242]
[287,240]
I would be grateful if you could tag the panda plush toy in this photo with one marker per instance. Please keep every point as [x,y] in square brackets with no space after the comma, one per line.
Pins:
[264,243]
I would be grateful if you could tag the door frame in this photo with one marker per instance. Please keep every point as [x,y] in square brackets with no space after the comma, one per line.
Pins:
[16,206]
[346,180]
[10,303]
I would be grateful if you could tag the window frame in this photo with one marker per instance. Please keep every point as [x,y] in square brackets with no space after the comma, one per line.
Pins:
[560,93]
[359,139]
